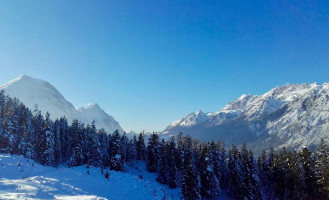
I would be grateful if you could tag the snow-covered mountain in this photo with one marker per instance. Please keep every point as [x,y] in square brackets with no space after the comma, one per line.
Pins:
[32,91]
[102,119]
[293,115]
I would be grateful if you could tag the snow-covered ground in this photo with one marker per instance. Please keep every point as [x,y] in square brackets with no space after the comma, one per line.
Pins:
[21,178]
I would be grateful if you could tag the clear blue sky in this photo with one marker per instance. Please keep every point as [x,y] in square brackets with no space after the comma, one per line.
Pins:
[148,63]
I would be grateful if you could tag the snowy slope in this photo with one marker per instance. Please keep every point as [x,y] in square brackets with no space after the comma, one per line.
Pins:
[21,178]
[32,91]
[292,115]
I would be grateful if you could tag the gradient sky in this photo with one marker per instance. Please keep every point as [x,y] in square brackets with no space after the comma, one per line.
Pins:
[148,63]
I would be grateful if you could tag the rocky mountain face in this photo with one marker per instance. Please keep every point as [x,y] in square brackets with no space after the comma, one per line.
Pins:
[32,91]
[293,115]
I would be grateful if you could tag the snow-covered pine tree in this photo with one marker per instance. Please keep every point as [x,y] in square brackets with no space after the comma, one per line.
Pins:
[264,170]
[65,139]
[217,155]
[48,143]
[131,151]
[322,169]
[209,183]
[8,129]
[254,178]
[140,147]
[104,141]
[236,184]
[16,118]
[2,105]
[25,146]
[296,180]
[191,182]
[124,144]
[179,158]
[75,147]
[152,153]
[252,187]
[38,136]
[307,159]
[162,176]
[280,174]
[116,159]
[94,151]
[57,143]
[171,162]
[77,157]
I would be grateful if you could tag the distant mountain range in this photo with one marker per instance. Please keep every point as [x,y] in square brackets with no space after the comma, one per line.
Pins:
[32,91]
[293,116]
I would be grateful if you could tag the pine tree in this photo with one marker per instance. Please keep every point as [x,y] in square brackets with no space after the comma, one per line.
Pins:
[48,144]
[77,157]
[295,177]
[307,159]
[190,184]
[171,162]
[162,176]
[2,105]
[131,151]
[116,159]
[38,136]
[8,130]
[57,143]
[75,147]
[179,159]
[152,153]
[280,174]
[104,142]
[65,139]
[322,169]
[26,143]
[124,145]
[94,155]
[140,147]
[255,187]
[251,183]
[236,183]
[265,174]
[209,183]
[264,169]
[217,156]
[16,118]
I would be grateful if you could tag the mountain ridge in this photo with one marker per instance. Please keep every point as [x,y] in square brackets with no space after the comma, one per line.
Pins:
[257,119]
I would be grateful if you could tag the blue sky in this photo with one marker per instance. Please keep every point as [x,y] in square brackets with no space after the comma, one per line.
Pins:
[148,63]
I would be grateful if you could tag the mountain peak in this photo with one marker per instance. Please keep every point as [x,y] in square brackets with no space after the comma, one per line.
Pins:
[31,91]
[94,112]
[199,112]
[23,76]
[92,106]
[245,97]
[17,79]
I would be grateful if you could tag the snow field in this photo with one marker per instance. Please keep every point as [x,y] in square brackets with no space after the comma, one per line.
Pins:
[21,178]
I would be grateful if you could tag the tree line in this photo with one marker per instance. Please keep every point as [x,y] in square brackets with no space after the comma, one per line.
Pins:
[202,170]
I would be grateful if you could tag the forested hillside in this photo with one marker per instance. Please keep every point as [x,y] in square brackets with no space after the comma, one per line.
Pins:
[201,170]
